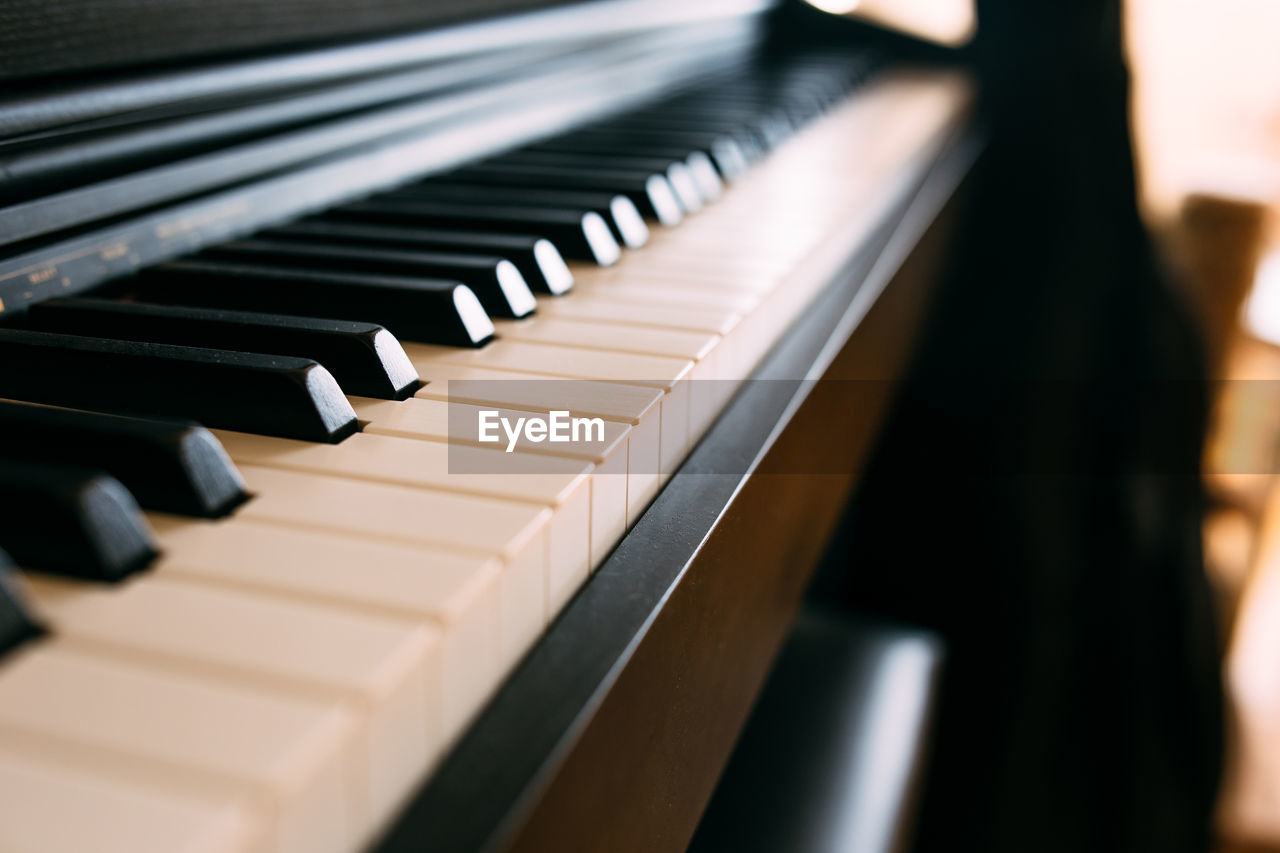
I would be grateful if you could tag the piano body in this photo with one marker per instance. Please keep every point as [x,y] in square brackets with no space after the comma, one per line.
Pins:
[269,590]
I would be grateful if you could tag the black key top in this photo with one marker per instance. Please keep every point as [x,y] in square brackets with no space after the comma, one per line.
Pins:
[267,394]
[652,194]
[618,211]
[581,236]
[365,358]
[675,171]
[71,521]
[536,257]
[170,466]
[496,281]
[17,625]
[413,309]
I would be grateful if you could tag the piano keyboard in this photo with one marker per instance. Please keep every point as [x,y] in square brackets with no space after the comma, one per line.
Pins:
[260,628]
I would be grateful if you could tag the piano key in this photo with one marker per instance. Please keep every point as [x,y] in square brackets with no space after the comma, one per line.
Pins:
[710,107]
[754,137]
[713,362]
[457,424]
[429,419]
[563,362]
[109,813]
[495,281]
[291,754]
[690,272]
[624,219]
[559,484]
[275,395]
[670,375]
[364,357]
[537,258]
[457,593]
[765,117]
[17,625]
[739,348]
[700,165]
[689,345]
[386,670]
[73,521]
[581,236]
[651,193]
[656,312]
[784,109]
[639,407]
[730,155]
[175,466]
[671,294]
[427,310]
[515,532]
[676,171]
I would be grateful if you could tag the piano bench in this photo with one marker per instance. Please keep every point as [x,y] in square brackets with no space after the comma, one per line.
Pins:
[830,757]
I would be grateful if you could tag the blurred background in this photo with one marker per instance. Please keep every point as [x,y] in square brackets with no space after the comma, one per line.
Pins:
[1206,124]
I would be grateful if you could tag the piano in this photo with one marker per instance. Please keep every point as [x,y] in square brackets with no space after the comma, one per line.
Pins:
[280,573]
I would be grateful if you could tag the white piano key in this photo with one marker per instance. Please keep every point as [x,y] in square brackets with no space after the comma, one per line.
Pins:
[646,292]
[294,756]
[456,592]
[57,806]
[515,532]
[706,277]
[671,375]
[386,669]
[590,308]
[613,337]
[562,485]
[638,406]
[426,419]
[713,362]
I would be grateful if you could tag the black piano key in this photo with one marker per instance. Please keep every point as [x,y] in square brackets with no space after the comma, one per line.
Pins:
[430,311]
[71,521]
[617,210]
[170,466]
[732,155]
[17,625]
[581,236]
[365,358]
[676,171]
[700,166]
[719,109]
[651,193]
[761,133]
[763,117]
[496,281]
[537,258]
[249,392]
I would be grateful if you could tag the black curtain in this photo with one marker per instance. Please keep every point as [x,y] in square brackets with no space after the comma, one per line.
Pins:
[1036,496]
